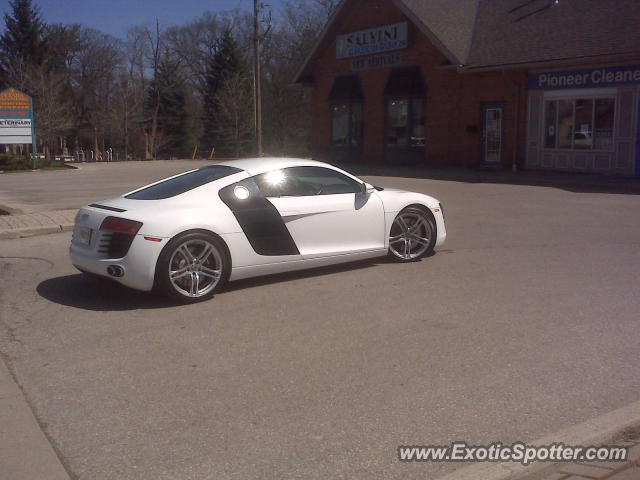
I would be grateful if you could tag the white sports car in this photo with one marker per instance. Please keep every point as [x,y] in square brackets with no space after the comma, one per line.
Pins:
[187,235]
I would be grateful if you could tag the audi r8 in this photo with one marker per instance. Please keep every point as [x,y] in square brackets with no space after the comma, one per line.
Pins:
[187,235]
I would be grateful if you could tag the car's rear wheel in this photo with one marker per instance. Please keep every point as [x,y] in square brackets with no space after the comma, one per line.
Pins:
[412,236]
[192,267]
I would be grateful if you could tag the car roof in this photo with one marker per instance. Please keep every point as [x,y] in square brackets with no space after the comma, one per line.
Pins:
[256,166]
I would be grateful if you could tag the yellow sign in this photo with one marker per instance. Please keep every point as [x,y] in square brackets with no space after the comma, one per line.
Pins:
[12,99]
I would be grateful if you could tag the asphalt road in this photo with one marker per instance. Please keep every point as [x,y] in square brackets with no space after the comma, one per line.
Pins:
[524,323]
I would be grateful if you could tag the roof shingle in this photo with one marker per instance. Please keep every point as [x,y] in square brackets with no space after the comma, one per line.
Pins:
[568,29]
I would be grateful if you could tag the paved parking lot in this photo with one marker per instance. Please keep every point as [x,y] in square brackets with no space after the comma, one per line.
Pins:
[524,323]
[62,189]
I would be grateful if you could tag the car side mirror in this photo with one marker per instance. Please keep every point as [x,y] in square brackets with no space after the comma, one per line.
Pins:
[367,188]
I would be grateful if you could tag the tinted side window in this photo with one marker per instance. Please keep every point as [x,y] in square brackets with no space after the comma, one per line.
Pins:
[305,181]
[183,183]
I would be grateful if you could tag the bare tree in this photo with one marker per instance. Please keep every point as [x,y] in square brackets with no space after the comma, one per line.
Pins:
[235,104]
[154,40]
[93,74]
[326,7]
[106,84]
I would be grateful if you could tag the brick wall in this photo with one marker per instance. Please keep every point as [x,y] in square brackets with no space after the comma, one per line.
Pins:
[453,100]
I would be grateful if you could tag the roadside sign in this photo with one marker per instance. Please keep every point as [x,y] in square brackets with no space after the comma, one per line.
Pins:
[17,123]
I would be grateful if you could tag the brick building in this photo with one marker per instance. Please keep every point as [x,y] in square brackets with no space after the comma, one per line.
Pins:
[543,84]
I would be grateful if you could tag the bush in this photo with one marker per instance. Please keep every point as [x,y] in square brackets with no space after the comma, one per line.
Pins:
[10,163]
[14,162]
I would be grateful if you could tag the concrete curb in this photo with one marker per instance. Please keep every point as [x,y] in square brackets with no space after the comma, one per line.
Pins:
[25,451]
[10,210]
[33,231]
[601,430]
[37,223]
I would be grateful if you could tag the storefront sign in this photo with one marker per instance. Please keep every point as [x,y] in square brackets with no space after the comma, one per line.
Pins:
[374,40]
[370,63]
[593,77]
[16,117]
[13,130]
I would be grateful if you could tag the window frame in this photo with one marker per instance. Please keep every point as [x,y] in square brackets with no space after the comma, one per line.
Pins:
[593,97]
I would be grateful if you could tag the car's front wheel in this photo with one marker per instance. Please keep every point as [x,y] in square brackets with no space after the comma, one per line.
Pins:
[192,267]
[412,236]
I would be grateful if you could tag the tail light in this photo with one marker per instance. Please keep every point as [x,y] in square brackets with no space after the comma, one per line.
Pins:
[120,225]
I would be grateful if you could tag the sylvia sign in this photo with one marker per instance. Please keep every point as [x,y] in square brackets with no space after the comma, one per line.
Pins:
[374,40]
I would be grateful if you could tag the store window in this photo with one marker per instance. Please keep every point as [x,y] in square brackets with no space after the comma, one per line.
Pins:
[579,123]
[405,119]
[346,125]
[405,122]
[346,113]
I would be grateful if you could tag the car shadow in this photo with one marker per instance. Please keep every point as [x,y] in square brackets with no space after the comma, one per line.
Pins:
[80,291]
[302,274]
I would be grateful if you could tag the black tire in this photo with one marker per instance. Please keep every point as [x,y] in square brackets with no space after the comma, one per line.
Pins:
[423,239]
[173,260]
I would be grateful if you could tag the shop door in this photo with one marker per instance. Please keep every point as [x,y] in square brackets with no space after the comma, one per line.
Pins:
[492,132]
[637,169]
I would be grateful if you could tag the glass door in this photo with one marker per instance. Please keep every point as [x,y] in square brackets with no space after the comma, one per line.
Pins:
[492,133]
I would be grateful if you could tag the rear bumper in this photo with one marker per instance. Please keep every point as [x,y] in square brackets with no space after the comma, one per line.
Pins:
[138,264]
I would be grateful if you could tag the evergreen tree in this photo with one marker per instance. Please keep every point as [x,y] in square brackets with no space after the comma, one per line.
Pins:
[169,88]
[226,63]
[22,43]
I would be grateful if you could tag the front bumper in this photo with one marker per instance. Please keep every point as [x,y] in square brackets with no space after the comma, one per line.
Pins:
[440,225]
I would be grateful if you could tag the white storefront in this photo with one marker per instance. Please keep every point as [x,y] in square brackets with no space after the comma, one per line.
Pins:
[585,119]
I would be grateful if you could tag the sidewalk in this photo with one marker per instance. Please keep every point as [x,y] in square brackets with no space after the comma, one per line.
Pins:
[629,470]
[620,427]
[28,224]
[588,182]
[25,452]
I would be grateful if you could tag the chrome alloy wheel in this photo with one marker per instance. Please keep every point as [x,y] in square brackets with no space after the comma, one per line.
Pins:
[410,235]
[195,268]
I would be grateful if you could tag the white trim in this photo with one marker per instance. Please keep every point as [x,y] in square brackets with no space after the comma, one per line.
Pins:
[581,92]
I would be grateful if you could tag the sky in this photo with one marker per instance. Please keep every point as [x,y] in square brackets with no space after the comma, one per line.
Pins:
[116,16]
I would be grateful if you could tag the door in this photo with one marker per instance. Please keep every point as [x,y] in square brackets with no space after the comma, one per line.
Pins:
[325,211]
[492,133]
[637,166]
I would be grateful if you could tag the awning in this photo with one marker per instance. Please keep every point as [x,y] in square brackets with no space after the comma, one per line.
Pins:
[405,81]
[346,88]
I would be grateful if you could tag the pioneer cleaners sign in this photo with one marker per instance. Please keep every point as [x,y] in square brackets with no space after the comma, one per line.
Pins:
[374,40]
[593,77]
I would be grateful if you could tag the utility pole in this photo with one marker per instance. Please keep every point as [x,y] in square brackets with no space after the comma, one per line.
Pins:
[257,82]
